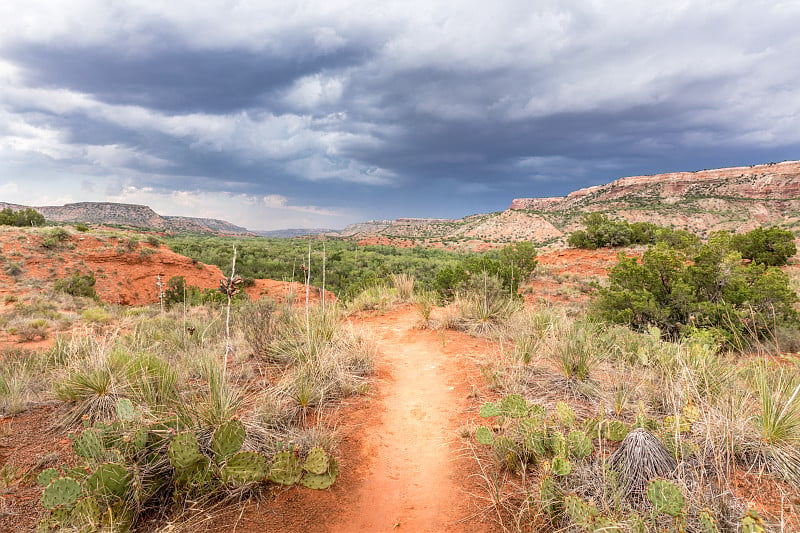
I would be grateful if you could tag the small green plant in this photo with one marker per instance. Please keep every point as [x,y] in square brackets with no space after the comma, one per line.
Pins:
[77,284]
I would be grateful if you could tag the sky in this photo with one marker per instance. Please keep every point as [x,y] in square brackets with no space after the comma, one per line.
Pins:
[319,114]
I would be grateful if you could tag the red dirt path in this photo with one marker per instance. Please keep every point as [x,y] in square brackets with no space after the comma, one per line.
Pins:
[401,459]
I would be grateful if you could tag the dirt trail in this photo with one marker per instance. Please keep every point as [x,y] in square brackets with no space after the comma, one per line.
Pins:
[415,473]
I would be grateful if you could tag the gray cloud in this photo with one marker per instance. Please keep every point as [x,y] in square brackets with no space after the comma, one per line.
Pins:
[396,108]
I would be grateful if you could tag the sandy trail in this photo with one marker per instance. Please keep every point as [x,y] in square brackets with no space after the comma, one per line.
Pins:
[415,472]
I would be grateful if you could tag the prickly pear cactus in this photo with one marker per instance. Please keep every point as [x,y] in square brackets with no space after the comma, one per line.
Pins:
[536,443]
[184,451]
[317,461]
[752,523]
[666,497]
[677,424]
[228,439]
[592,427]
[579,511]
[707,522]
[557,444]
[245,467]
[616,430]
[89,444]
[561,466]
[489,410]
[484,436]
[61,492]
[87,511]
[125,410]
[324,480]
[286,468]
[110,479]
[550,496]
[46,476]
[503,445]
[565,414]
[579,444]
[514,406]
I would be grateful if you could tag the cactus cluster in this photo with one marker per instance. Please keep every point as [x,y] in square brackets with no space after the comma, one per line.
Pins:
[666,497]
[530,434]
[104,492]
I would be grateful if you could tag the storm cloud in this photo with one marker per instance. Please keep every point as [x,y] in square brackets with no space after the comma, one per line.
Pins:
[283,114]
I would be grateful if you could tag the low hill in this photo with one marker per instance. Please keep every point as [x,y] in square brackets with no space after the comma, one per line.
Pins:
[132,216]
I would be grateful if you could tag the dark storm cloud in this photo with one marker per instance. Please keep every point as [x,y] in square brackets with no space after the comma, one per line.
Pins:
[173,78]
[407,109]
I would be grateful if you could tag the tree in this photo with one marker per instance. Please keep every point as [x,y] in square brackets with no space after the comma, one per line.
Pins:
[711,289]
[772,246]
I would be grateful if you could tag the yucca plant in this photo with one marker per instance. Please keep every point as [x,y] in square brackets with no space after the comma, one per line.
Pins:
[778,394]
[577,350]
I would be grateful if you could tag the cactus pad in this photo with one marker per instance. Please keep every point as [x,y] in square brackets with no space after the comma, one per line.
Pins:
[579,444]
[245,467]
[536,443]
[579,511]
[489,410]
[616,430]
[707,522]
[565,414]
[666,497]
[484,436]
[286,468]
[549,495]
[561,466]
[557,443]
[752,523]
[184,452]
[514,406]
[110,479]
[61,492]
[88,444]
[46,476]
[324,480]
[503,445]
[228,439]
[87,511]
[317,461]
[125,411]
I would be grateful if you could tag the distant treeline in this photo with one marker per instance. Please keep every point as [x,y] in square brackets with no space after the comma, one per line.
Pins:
[23,217]
[351,268]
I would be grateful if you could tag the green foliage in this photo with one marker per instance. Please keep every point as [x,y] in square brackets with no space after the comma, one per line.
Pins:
[600,231]
[23,217]
[666,497]
[771,246]
[77,285]
[711,289]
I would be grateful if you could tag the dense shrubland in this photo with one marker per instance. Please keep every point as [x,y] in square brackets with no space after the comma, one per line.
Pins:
[351,269]
[600,232]
[709,289]
[22,217]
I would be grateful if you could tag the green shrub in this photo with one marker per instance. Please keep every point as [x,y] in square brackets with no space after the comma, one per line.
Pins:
[603,232]
[77,285]
[96,315]
[771,246]
[23,217]
[709,290]
[83,228]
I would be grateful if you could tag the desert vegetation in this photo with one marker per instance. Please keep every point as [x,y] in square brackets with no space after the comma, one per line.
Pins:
[666,398]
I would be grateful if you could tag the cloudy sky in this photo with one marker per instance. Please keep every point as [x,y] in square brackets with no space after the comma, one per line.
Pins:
[318,114]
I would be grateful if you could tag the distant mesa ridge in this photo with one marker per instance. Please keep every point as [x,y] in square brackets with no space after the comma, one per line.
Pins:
[774,181]
[736,199]
[133,215]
